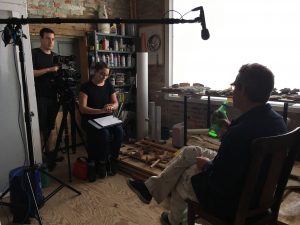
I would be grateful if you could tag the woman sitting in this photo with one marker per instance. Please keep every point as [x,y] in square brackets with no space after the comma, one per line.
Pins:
[97,98]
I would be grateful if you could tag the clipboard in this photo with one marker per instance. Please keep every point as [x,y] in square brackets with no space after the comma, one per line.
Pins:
[106,121]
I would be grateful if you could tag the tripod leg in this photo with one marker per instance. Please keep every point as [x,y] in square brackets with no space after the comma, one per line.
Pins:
[4,193]
[73,128]
[61,182]
[67,149]
[77,127]
[33,198]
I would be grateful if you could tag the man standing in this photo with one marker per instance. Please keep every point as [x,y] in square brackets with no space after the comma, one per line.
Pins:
[217,181]
[44,71]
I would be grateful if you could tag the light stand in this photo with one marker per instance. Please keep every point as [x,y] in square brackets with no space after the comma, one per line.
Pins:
[15,32]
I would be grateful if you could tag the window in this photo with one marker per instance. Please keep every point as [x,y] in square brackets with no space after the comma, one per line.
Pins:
[262,31]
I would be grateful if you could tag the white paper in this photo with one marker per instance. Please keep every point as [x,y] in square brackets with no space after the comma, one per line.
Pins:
[107,121]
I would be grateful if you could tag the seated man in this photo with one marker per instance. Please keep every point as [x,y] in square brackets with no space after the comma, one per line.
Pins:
[97,98]
[217,183]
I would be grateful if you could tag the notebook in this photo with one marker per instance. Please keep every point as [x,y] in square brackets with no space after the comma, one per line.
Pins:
[105,121]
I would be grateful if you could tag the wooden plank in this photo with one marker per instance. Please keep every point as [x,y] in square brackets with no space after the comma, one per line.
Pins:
[164,147]
[136,169]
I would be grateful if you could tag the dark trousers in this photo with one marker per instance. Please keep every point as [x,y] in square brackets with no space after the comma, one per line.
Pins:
[47,110]
[105,143]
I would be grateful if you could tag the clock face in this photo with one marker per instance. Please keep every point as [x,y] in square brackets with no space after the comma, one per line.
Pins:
[154,42]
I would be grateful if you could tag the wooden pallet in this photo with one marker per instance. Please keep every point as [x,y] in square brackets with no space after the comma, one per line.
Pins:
[146,158]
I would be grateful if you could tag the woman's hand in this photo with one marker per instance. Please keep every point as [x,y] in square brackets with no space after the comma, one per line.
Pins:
[109,108]
[201,161]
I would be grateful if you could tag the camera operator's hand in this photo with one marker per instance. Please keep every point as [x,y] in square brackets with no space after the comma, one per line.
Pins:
[53,69]
[43,71]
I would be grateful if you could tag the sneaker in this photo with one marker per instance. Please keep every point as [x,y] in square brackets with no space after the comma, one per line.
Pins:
[140,189]
[101,170]
[164,219]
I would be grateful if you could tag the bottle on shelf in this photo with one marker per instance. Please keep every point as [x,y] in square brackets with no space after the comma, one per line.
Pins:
[129,60]
[121,45]
[218,116]
[116,60]
[119,60]
[111,59]
[123,61]
[116,45]
[93,60]
[96,43]
[113,29]
[105,44]
[122,25]
[103,58]
[112,80]
[97,58]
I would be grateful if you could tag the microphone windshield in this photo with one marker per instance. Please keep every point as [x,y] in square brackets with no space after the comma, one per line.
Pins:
[205,34]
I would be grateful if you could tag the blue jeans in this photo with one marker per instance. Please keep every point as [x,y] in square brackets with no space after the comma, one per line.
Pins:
[105,143]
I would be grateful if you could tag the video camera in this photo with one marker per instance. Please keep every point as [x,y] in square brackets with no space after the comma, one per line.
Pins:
[60,59]
[67,76]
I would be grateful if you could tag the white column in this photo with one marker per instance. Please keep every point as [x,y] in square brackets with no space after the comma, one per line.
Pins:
[142,95]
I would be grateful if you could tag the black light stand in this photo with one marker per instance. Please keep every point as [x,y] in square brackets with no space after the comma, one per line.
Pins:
[14,31]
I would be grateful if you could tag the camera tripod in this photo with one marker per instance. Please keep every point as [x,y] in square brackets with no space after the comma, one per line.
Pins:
[14,32]
[68,104]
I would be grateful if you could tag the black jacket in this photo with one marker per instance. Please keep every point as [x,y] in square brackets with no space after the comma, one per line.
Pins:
[218,186]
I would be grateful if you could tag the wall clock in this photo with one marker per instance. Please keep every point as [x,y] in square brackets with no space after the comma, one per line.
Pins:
[154,42]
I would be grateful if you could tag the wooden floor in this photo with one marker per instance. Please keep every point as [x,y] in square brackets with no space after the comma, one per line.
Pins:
[111,202]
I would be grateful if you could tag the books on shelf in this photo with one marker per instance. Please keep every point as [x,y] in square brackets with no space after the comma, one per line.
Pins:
[106,121]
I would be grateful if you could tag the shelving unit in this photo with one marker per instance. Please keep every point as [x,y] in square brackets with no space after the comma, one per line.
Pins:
[118,51]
